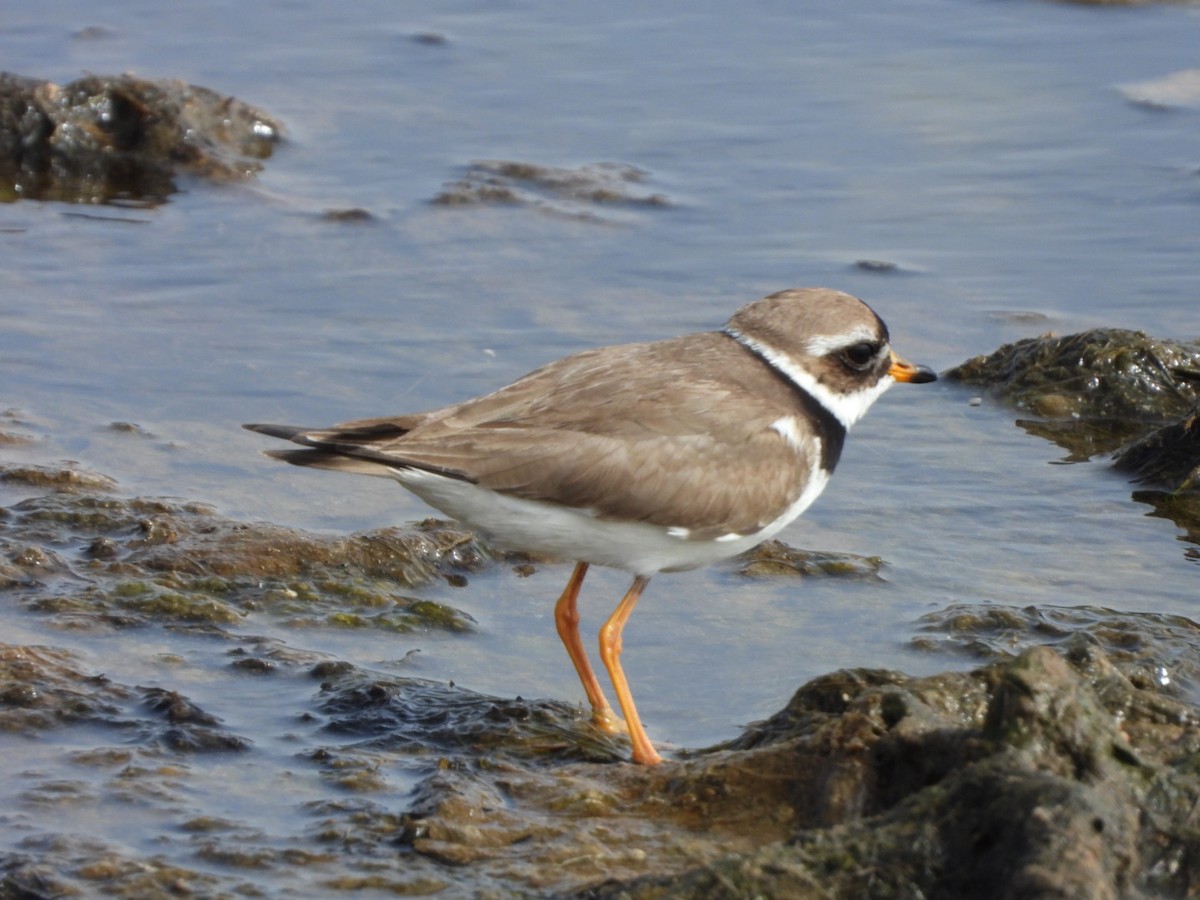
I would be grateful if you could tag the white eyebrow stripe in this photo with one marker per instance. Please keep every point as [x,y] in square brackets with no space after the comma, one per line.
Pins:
[823,344]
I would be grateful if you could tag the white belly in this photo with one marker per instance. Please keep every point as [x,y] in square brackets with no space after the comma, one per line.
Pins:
[511,523]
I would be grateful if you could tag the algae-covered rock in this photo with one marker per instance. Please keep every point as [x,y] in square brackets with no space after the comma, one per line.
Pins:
[420,717]
[1168,456]
[1092,391]
[103,138]
[1067,770]
[42,688]
[1040,776]
[98,560]
[775,558]
[66,477]
[578,193]
[1154,651]
[1168,461]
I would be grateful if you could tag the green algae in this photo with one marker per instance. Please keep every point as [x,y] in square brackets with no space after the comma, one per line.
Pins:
[156,560]
[1093,391]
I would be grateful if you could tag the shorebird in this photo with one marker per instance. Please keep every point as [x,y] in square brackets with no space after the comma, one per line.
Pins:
[651,457]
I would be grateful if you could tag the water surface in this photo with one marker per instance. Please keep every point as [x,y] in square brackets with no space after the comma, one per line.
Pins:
[982,147]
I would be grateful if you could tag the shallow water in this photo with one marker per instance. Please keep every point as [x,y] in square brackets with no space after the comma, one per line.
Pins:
[984,148]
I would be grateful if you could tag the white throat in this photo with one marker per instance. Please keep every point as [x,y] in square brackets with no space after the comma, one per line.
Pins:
[846,408]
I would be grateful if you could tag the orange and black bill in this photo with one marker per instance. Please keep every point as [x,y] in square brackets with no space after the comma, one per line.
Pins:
[903,370]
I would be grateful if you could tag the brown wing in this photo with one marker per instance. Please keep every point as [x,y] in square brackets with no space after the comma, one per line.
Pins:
[674,433]
[705,483]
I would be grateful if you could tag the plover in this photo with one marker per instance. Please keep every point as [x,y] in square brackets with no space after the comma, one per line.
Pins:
[651,457]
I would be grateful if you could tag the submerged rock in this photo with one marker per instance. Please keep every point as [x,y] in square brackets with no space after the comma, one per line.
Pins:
[103,561]
[575,193]
[1155,651]
[423,718]
[775,558]
[105,138]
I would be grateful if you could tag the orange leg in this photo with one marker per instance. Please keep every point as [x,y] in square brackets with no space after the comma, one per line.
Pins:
[566,619]
[610,653]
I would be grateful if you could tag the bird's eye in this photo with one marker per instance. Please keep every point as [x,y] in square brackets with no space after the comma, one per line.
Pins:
[860,356]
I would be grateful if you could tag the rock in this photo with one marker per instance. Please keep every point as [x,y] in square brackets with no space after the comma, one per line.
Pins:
[1066,770]
[1020,779]
[1093,391]
[1106,391]
[1168,456]
[104,138]
[574,193]
[1102,373]
[772,558]
[143,559]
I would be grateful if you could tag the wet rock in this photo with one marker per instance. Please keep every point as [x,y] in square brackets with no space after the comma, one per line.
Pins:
[1093,391]
[878,266]
[429,38]
[189,729]
[1168,456]
[74,866]
[529,830]
[1155,651]
[15,439]
[353,214]
[1169,459]
[67,477]
[43,688]
[1063,770]
[575,193]
[773,558]
[99,560]
[100,139]
[421,717]
[253,666]
[130,428]
[1039,776]
[1110,391]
